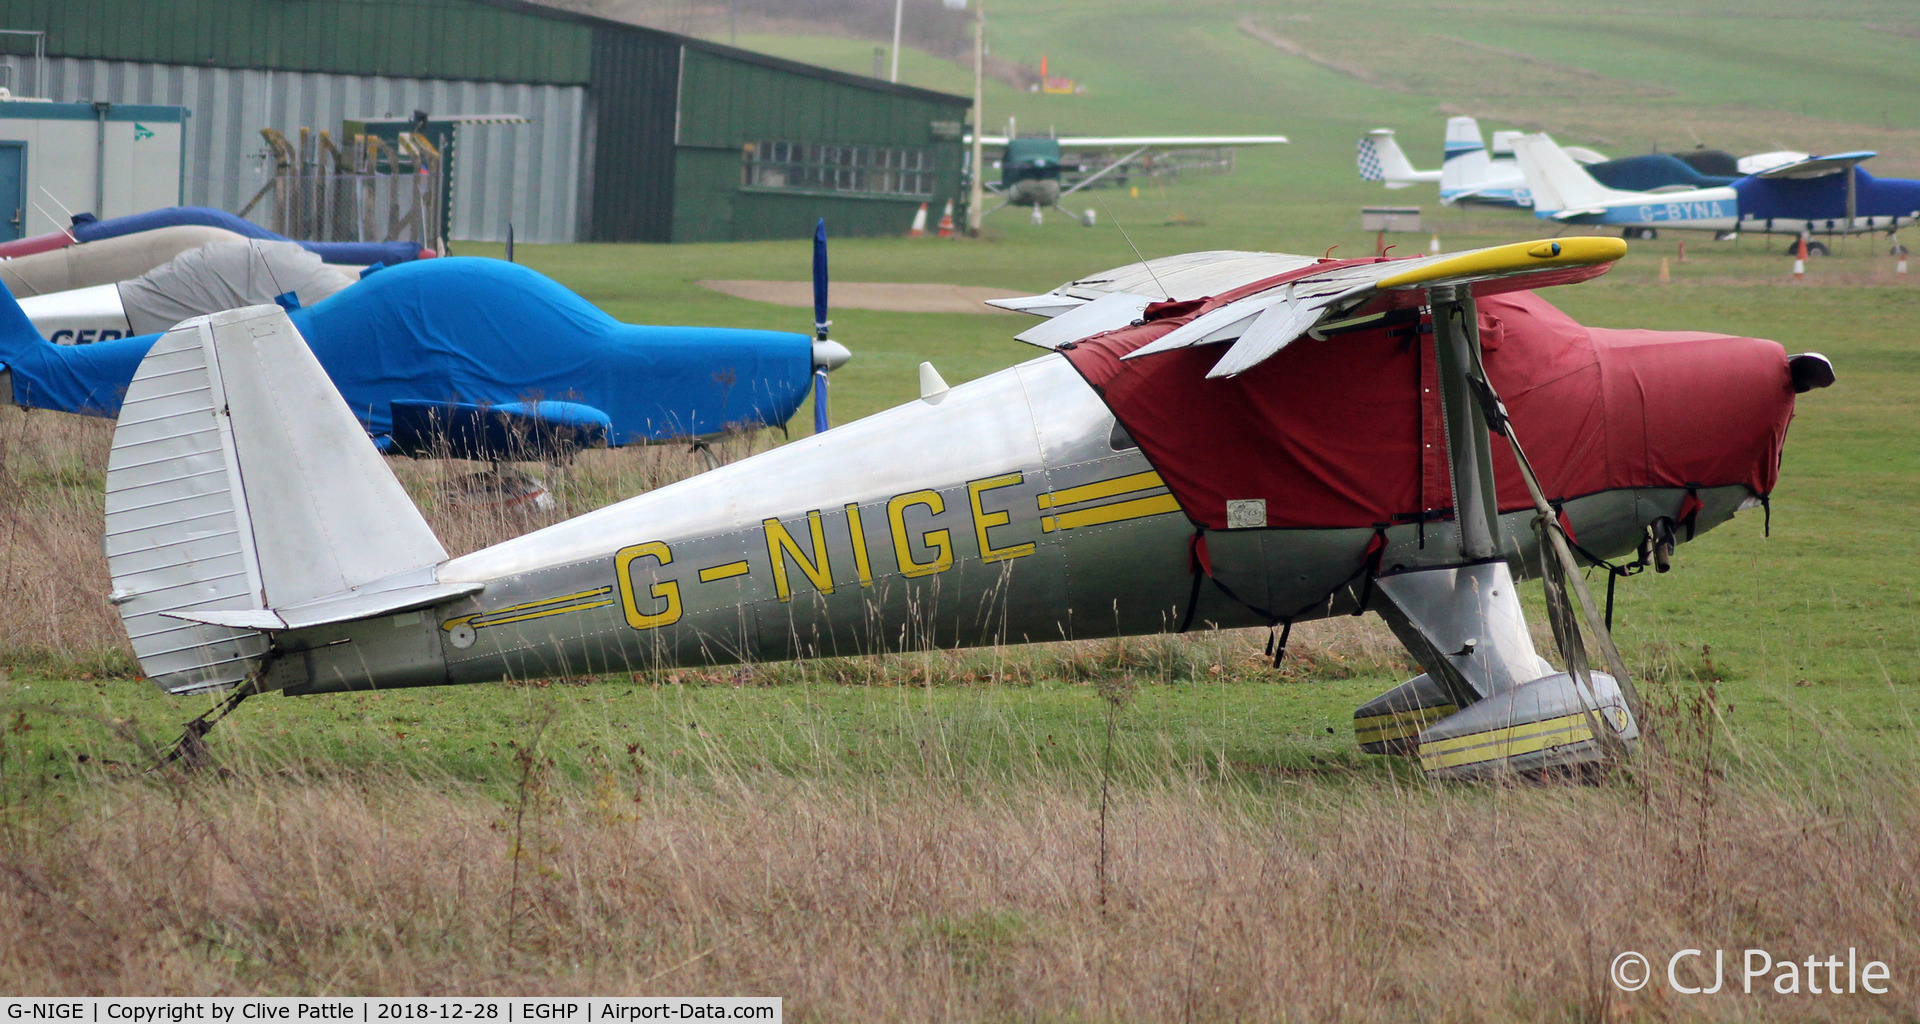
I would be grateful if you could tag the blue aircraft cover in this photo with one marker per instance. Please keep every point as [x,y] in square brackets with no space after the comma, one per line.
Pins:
[87,228]
[476,332]
[1820,203]
[1650,171]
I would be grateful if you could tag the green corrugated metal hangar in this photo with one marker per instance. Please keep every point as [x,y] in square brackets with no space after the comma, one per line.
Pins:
[678,139]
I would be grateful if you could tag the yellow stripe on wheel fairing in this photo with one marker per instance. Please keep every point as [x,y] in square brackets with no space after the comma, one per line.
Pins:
[1398,724]
[1497,744]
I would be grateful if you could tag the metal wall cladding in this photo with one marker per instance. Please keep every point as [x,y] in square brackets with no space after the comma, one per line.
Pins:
[728,101]
[635,89]
[529,175]
[472,40]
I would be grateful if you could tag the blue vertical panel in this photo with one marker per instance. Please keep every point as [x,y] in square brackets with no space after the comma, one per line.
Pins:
[13,190]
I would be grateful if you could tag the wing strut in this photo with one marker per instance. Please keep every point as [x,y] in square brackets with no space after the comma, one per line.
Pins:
[1488,702]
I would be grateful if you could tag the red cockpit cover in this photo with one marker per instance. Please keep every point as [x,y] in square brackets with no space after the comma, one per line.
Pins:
[1347,432]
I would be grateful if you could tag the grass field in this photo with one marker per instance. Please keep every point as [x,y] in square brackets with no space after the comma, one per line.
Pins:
[920,837]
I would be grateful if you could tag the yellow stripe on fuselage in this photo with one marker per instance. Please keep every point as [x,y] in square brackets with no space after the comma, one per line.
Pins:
[481,622]
[1101,489]
[582,601]
[1119,511]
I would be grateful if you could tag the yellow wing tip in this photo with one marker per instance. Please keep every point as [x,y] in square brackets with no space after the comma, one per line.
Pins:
[1578,250]
[1511,260]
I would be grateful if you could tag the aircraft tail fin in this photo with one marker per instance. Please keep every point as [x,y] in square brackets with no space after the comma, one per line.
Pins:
[1467,163]
[1558,184]
[239,482]
[1382,160]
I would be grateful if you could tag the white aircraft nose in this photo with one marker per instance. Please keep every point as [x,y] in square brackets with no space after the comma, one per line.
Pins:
[830,355]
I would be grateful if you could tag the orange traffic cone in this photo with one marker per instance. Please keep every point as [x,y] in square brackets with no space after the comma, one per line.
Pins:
[1665,274]
[1433,244]
[946,221]
[919,228]
[1800,258]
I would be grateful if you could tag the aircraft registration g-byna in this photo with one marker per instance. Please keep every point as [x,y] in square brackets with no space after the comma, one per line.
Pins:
[1469,172]
[1030,168]
[1819,195]
[1220,439]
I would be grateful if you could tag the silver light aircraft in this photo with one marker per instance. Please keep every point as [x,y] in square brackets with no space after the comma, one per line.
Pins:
[1349,451]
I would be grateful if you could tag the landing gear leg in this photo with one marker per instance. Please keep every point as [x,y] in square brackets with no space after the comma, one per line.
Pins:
[190,750]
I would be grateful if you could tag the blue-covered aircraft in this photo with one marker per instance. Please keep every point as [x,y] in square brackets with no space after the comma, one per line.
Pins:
[1815,195]
[482,359]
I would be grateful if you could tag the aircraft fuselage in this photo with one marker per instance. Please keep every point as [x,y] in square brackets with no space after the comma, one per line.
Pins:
[1010,510]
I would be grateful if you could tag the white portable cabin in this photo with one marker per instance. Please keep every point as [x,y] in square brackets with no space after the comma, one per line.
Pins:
[108,159]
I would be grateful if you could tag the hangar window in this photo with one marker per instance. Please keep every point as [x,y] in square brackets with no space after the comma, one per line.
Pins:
[814,167]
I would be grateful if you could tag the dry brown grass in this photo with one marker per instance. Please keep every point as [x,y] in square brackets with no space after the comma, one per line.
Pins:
[52,478]
[913,896]
[53,468]
[913,890]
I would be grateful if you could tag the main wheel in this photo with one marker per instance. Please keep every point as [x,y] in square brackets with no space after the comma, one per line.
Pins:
[1644,234]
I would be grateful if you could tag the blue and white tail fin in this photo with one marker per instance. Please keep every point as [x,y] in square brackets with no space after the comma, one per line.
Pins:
[1381,160]
[239,486]
[1465,168]
[1560,186]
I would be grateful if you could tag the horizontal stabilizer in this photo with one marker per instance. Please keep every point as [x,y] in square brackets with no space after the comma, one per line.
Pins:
[417,590]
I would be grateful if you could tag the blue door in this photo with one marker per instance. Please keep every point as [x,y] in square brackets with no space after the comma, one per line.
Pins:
[13,190]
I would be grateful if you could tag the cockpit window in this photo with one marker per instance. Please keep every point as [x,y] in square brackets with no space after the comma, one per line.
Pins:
[1120,440]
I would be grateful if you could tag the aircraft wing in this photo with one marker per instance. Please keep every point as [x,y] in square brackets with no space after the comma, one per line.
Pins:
[1266,321]
[1122,141]
[510,432]
[1817,166]
[1758,162]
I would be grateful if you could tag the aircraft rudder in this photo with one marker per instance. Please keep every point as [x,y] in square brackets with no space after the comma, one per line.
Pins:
[1466,165]
[1463,135]
[239,485]
[1382,160]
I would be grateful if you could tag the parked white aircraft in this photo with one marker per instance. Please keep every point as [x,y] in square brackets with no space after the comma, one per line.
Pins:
[1469,173]
[1816,195]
